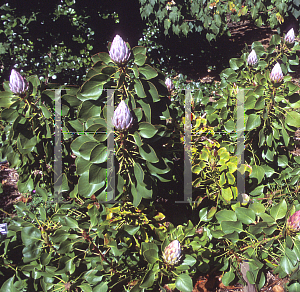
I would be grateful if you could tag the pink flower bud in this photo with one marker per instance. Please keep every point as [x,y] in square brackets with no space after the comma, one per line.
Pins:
[252,58]
[290,36]
[169,84]
[172,253]
[122,119]
[276,74]
[293,223]
[119,52]
[17,84]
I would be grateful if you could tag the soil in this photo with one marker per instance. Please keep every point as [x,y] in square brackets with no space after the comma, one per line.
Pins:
[10,195]
[241,34]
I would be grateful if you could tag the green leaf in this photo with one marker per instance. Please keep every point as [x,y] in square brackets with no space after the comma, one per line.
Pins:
[77,125]
[87,189]
[236,63]
[42,193]
[295,287]
[148,280]
[189,260]
[279,211]
[85,287]
[285,136]
[131,229]
[148,72]
[228,278]
[258,208]
[246,216]
[60,235]
[139,50]
[203,215]
[67,221]
[230,178]
[99,154]
[137,139]
[97,174]
[151,256]
[138,173]
[296,249]
[229,126]
[86,149]
[6,99]
[268,170]
[103,56]
[102,287]
[148,153]
[218,20]
[184,283]
[258,173]
[293,119]
[140,59]
[146,108]
[137,196]
[9,114]
[253,122]
[47,114]
[282,161]
[153,92]
[8,285]
[211,212]
[93,87]
[139,89]
[267,218]
[286,265]
[30,235]
[32,251]
[227,194]
[147,130]
[160,167]
[148,245]
[258,228]
[291,255]
[82,165]
[225,215]
[275,40]
[222,179]
[79,141]
[231,226]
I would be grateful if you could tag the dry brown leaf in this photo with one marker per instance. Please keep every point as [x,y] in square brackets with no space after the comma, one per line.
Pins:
[277,288]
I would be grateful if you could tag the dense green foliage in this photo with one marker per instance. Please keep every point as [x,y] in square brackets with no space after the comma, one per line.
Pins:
[213,17]
[89,241]
[56,39]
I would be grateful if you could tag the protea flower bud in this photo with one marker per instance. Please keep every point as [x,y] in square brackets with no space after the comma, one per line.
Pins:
[122,119]
[293,223]
[17,84]
[252,58]
[169,84]
[119,52]
[172,253]
[276,74]
[290,36]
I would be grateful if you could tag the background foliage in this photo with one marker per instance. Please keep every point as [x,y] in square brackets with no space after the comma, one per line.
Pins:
[83,242]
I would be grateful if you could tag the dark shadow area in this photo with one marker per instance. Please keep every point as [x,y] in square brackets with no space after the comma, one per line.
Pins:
[194,55]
